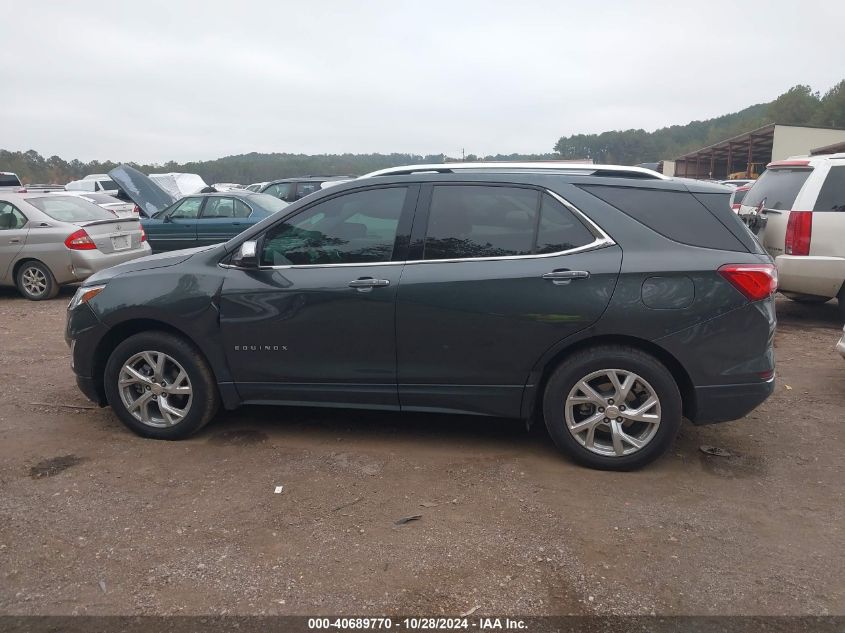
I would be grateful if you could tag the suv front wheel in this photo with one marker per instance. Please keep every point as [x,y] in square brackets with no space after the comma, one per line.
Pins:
[160,386]
[612,407]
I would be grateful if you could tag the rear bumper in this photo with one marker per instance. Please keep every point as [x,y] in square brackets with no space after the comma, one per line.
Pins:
[723,403]
[86,263]
[810,275]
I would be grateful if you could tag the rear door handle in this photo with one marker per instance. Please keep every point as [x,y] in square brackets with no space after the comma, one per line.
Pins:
[563,277]
[366,284]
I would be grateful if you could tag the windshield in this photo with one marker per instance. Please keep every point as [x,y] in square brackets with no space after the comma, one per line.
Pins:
[269,203]
[108,185]
[70,209]
[778,187]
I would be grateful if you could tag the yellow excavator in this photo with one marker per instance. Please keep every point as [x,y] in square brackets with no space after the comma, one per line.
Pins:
[752,172]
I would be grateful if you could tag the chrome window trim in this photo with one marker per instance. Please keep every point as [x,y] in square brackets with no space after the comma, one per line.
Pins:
[602,240]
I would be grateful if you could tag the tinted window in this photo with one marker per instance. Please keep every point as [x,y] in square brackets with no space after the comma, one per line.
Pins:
[304,188]
[739,195]
[559,229]
[280,190]
[10,217]
[219,208]
[354,228]
[832,194]
[778,187]
[188,209]
[674,214]
[9,180]
[70,209]
[108,185]
[480,221]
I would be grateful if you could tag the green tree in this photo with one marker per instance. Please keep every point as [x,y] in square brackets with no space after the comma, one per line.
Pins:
[797,106]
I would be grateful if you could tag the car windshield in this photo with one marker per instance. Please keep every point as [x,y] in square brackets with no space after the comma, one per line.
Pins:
[777,188]
[70,209]
[269,203]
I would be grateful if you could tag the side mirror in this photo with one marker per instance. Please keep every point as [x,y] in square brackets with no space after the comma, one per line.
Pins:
[246,257]
[167,218]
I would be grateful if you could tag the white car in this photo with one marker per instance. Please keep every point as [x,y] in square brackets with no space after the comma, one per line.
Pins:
[119,208]
[739,182]
[93,184]
[797,209]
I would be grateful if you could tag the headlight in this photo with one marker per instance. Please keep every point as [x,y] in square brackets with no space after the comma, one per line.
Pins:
[84,295]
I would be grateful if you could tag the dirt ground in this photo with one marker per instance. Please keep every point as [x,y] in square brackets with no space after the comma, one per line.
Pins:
[94,520]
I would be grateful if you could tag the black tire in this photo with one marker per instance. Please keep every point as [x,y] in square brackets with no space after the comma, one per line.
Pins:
[35,269]
[619,357]
[204,400]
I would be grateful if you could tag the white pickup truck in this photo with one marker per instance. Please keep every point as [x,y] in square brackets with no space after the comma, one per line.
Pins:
[10,182]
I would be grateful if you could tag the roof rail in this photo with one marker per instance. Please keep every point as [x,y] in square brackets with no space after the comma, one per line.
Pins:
[611,171]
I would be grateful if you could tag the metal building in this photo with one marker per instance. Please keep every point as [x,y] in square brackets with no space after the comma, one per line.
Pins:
[753,150]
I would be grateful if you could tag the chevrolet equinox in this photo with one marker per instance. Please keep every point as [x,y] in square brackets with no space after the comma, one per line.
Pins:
[611,302]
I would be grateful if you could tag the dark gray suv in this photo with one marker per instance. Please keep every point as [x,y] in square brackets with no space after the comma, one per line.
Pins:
[610,302]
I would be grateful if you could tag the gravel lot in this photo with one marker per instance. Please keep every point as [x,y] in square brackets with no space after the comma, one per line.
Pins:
[94,520]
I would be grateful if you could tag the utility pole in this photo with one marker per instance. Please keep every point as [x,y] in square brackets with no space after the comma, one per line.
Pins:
[463,155]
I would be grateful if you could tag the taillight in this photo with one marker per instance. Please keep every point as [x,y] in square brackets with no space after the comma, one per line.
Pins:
[736,207]
[799,231]
[755,281]
[80,241]
[136,210]
[143,235]
[22,190]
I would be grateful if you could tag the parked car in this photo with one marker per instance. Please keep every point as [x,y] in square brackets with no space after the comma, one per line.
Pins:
[9,181]
[179,184]
[292,189]
[197,220]
[118,208]
[48,240]
[92,185]
[798,209]
[491,289]
[737,196]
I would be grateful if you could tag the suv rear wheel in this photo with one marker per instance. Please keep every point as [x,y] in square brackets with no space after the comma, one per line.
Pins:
[612,407]
[160,386]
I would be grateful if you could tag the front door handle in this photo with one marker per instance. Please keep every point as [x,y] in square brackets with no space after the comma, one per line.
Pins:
[563,277]
[366,284]
[15,240]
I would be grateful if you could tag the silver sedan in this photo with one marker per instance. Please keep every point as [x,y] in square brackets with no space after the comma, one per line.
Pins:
[47,240]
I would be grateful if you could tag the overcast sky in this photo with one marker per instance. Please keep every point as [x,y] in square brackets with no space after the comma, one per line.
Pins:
[150,81]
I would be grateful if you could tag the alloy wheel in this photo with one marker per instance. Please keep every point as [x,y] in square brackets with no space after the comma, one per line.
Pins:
[34,281]
[155,389]
[612,412]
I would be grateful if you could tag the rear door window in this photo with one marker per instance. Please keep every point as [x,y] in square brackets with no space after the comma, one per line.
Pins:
[10,217]
[305,188]
[219,208]
[832,194]
[471,221]
[777,188]
[280,190]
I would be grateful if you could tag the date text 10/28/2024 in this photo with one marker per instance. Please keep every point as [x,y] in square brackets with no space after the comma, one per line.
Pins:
[417,624]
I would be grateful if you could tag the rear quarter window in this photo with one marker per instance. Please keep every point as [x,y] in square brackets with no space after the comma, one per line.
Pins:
[832,194]
[676,215]
[778,187]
